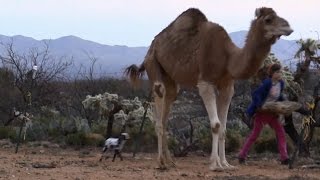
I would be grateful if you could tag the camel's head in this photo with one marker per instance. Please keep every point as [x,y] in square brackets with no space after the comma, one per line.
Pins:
[271,25]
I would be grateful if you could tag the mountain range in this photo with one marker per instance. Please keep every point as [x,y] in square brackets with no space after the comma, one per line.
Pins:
[112,59]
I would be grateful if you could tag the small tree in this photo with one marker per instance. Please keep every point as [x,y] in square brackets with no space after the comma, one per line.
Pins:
[30,85]
[307,54]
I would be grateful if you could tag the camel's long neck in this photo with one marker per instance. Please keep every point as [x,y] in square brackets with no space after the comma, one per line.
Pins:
[246,62]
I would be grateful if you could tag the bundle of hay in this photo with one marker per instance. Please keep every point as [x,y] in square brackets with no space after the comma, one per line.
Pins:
[281,107]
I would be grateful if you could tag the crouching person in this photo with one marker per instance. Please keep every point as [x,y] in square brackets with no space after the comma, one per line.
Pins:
[116,145]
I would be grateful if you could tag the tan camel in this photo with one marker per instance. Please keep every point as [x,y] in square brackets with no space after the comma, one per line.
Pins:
[193,52]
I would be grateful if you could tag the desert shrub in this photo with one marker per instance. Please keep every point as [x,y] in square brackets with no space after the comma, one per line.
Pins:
[205,140]
[55,133]
[147,141]
[94,139]
[83,139]
[76,139]
[290,145]
[233,140]
[7,132]
[266,142]
[315,143]
[99,128]
[172,143]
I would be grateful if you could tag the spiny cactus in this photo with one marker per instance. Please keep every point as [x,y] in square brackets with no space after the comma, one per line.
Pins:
[309,45]
[291,87]
[131,109]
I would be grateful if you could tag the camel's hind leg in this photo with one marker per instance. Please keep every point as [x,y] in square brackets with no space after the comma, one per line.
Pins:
[208,95]
[223,101]
[164,92]
[169,98]
[162,109]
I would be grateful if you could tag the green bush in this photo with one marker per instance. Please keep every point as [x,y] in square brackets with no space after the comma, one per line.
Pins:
[172,143]
[148,135]
[315,143]
[98,128]
[83,139]
[266,142]
[94,139]
[233,140]
[7,132]
[205,140]
[76,139]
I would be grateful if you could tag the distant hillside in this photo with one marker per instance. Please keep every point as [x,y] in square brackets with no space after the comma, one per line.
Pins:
[112,59]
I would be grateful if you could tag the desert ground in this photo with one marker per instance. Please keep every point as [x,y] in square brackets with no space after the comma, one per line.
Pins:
[55,163]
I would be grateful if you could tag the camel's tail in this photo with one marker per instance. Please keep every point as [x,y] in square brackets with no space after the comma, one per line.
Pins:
[135,74]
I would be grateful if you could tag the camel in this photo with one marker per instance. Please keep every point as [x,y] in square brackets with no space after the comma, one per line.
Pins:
[193,52]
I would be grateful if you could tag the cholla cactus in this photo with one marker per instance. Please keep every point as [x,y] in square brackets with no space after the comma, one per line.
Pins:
[309,45]
[106,102]
[292,87]
[103,103]
[121,117]
[137,114]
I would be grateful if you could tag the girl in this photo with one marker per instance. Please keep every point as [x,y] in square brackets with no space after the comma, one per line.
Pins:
[270,90]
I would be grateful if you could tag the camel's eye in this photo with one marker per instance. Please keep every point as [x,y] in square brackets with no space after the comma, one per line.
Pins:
[268,20]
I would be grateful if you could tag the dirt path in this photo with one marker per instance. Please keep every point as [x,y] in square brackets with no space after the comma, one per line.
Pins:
[57,163]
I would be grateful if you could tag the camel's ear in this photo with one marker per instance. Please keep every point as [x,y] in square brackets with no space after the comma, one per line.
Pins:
[257,12]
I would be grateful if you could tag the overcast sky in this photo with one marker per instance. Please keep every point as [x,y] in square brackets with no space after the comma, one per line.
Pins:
[136,22]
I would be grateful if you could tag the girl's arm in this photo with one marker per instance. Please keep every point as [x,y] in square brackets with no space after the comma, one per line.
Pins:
[261,93]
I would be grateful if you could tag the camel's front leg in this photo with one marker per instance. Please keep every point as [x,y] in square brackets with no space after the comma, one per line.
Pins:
[223,101]
[208,95]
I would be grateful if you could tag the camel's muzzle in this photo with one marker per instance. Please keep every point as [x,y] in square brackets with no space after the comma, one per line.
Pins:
[287,31]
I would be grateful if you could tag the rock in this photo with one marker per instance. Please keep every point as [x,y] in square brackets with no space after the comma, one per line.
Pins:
[184,175]
[45,144]
[7,146]
[6,143]
[44,165]
[54,146]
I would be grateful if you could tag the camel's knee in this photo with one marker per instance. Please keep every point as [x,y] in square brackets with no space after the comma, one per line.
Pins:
[222,135]
[215,127]
[159,89]
[159,130]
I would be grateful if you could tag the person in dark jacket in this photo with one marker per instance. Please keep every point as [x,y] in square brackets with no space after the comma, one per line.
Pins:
[269,91]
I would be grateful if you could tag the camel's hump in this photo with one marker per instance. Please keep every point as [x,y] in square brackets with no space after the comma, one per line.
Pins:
[189,20]
[195,14]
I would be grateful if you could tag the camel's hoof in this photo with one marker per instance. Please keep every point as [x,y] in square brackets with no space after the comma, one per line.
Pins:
[228,166]
[216,168]
[173,164]
[162,168]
